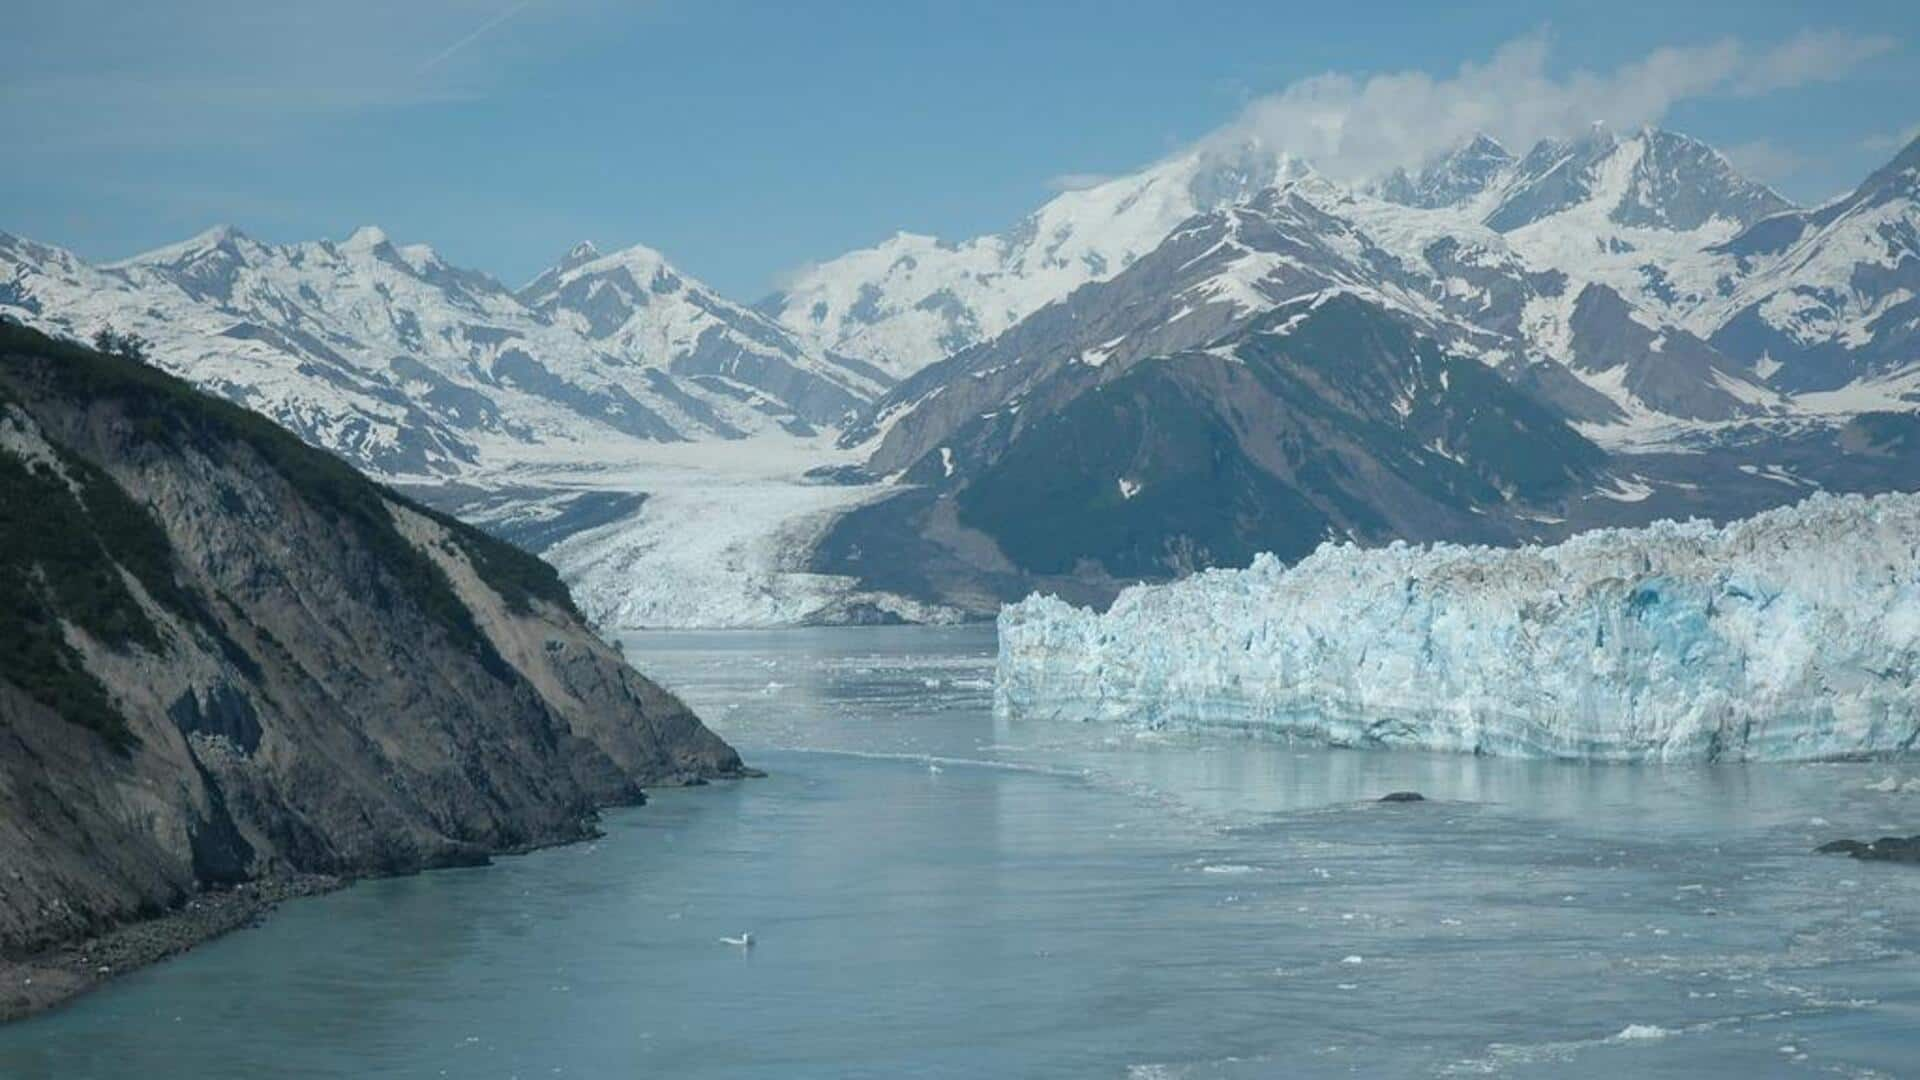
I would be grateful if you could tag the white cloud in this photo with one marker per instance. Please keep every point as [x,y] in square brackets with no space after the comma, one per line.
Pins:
[1352,127]
[1076,181]
[1811,56]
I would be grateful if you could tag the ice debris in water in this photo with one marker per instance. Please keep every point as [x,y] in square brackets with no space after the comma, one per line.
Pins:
[1889,785]
[1793,635]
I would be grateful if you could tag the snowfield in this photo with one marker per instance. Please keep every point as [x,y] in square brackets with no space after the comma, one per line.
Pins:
[720,540]
[1793,635]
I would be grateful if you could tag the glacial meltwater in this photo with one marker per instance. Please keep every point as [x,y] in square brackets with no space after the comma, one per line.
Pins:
[933,891]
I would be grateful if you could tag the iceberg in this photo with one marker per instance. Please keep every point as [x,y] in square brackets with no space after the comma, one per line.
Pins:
[1790,636]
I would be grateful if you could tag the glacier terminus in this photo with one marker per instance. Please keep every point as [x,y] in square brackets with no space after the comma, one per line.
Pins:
[1790,636]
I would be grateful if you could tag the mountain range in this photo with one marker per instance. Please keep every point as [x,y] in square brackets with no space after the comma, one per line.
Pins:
[1265,366]
[410,367]
[1223,353]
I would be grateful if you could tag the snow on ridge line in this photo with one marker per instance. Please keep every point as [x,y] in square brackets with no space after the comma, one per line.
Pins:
[1792,635]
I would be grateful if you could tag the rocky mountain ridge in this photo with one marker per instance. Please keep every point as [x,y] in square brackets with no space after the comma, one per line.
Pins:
[1684,418]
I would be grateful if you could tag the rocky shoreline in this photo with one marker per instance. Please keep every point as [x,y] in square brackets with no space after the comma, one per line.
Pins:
[234,671]
[40,982]
[34,984]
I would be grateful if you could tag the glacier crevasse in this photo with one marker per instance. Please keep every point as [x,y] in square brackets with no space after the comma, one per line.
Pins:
[1792,635]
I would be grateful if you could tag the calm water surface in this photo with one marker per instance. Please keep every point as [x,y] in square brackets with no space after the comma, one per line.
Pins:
[937,893]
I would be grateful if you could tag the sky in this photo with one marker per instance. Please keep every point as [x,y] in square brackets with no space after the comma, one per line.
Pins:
[745,138]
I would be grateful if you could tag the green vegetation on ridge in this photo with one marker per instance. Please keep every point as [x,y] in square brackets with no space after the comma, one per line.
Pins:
[62,551]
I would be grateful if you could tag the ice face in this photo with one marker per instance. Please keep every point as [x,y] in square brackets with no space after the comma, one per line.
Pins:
[1794,635]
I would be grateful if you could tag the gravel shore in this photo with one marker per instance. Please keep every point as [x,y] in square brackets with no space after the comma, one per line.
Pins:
[34,984]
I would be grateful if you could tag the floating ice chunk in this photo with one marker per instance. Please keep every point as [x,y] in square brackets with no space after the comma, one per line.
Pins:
[1892,785]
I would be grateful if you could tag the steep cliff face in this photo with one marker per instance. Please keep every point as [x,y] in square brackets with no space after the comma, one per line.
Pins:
[225,656]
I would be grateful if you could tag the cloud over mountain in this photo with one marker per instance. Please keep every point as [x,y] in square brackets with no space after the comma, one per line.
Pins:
[1353,127]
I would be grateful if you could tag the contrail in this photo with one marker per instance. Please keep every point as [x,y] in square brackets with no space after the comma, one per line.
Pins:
[442,55]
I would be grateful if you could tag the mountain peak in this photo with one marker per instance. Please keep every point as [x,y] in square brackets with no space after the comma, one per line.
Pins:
[1654,179]
[366,237]
[218,238]
[1456,177]
[1228,172]
[1598,135]
[1485,143]
[216,235]
[638,259]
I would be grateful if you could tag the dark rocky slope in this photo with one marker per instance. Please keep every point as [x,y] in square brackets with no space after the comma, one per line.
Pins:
[225,657]
[1324,419]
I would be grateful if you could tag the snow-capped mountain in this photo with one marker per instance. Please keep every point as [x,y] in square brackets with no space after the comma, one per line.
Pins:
[913,299]
[1830,297]
[1326,416]
[412,367]
[1649,331]
[633,303]
[1455,179]
[1615,367]
[1588,304]
[1630,200]
[1652,179]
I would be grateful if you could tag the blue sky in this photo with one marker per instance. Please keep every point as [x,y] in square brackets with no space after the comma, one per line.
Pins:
[746,138]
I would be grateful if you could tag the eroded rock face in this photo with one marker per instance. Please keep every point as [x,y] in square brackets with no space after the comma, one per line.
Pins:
[233,658]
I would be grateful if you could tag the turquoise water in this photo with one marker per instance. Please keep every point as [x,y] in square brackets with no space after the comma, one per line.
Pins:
[934,892]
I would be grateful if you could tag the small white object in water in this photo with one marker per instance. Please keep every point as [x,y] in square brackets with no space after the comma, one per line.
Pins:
[744,941]
[1352,960]
[933,768]
[1642,1031]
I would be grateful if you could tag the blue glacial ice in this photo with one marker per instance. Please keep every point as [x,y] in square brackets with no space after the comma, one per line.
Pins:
[1790,636]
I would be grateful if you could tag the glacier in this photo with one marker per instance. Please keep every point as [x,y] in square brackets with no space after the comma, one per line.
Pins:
[1793,635]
